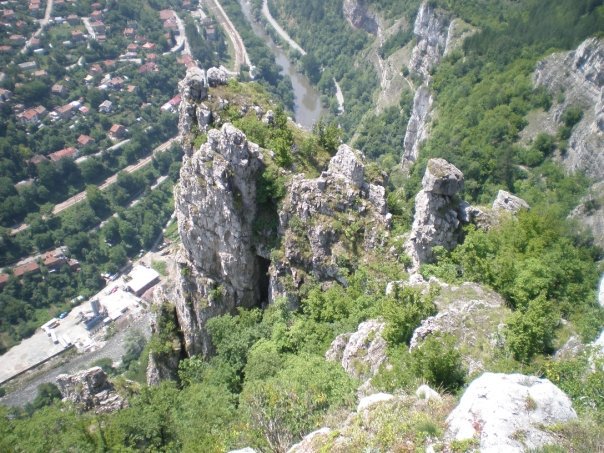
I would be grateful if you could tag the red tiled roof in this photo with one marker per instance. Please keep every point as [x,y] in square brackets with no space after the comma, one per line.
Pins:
[62,154]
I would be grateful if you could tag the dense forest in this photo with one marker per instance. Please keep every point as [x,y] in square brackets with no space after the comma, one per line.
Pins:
[268,384]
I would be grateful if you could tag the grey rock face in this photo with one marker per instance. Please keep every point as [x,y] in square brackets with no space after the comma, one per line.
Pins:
[215,205]
[436,220]
[90,390]
[217,76]
[505,201]
[507,412]
[431,29]
[576,78]
[442,178]
[358,16]
[348,163]
[361,353]
[322,219]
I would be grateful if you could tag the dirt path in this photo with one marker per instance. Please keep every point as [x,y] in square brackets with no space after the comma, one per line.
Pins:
[241,56]
[271,20]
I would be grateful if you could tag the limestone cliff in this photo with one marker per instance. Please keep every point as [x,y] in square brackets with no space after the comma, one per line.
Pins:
[226,259]
[326,221]
[577,75]
[358,15]
[431,30]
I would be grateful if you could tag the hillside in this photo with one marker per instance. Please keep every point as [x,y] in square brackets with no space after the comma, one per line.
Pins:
[409,275]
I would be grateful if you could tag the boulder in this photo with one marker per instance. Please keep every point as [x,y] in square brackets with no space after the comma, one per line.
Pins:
[311,442]
[349,164]
[217,76]
[424,392]
[371,400]
[361,353]
[508,412]
[90,390]
[505,201]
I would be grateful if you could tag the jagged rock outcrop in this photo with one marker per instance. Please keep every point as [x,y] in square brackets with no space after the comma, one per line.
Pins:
[90,390]
[194,91]
[474,315]
[325,221]
[358,15]
[436,220]
[578,75]
[361,353]
[215,204]
[505,201]
[508,412]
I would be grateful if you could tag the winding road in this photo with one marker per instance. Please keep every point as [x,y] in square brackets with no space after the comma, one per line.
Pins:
[271,20]
[241,56]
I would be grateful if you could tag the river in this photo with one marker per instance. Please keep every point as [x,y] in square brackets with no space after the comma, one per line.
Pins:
[307,100]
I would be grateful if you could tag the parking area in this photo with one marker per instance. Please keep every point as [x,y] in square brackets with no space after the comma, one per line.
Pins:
[82,328]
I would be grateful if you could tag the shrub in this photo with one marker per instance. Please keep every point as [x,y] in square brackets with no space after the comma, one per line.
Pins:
[531,331]
[404,312]
[438,362]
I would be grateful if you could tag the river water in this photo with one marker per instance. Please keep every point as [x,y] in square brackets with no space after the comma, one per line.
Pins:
[307,102]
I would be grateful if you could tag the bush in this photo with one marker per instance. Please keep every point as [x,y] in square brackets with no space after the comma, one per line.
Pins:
[438,362]
[531,331]
[404,312]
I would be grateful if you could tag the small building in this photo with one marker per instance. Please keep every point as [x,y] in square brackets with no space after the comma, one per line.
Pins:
[66,153]
[117,131]
[171,105]
[58,90]
[98,26]
[77,36]
[85,140]
[32,116]
[84,110]
[97,15]
[5,95]
[26,269]
[16,40]
[150,66]
[166,14]
[106,106]
[37,159]
[149,46]
[73,19]
[132,47]
[142,278]
[40,74]
[129,32]
[28,66]
[65,111]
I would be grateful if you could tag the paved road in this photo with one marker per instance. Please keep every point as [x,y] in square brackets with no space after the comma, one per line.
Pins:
[89,28]
[271,20]
[43,23]
[182,37]
[241,56]
[58,208]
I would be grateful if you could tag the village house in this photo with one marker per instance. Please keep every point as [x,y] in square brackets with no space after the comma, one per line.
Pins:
[172,105]
[98,27]
[129,32]
[148,67]
[32,116]
[85,140]
[16,40]
[58,90]
[37,159]
[77,36]
[73,19]
[64,112]
[28,66]
[117,132]
[106,106]
[165,14]
[66,153]
[96,15]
